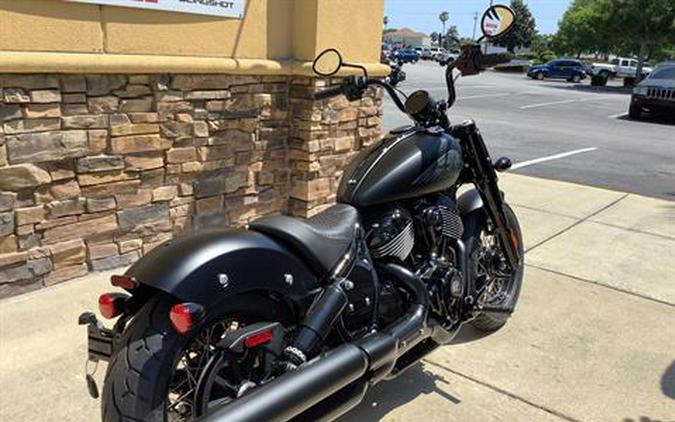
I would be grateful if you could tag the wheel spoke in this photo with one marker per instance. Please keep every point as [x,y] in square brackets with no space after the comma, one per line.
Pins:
[223,383]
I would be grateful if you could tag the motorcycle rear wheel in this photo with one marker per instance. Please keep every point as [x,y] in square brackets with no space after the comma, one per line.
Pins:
[141,376]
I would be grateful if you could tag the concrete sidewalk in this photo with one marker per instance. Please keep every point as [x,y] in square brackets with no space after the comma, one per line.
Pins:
[593,338]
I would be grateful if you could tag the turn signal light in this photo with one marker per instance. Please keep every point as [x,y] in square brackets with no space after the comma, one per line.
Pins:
[184,316]
[124,281]
[112,305]
[258,338]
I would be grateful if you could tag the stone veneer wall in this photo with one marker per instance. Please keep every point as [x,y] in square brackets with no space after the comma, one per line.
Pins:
[96,170]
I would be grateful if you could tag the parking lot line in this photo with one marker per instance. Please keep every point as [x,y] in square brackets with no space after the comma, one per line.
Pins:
[548,104]
[551,157]
[618,115]
[484,96]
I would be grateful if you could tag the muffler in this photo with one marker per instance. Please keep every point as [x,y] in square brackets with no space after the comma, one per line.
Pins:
[332,384]
[291,394]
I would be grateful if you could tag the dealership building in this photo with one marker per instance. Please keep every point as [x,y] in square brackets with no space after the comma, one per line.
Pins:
[122,126]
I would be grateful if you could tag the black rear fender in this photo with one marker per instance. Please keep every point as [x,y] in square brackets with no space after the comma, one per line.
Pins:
[212,266]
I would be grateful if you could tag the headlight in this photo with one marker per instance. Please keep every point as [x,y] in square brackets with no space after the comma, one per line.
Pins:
[640,90]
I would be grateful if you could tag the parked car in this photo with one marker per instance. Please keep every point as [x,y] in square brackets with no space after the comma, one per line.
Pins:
[620,67]
[425,54]
[656,93]
[385,53]
[444,58]
[571,70]
[430,53]
[407,55]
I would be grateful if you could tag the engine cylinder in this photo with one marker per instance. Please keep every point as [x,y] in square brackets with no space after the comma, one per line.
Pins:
[392,234]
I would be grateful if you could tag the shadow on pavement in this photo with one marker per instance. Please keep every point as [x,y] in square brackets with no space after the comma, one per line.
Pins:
[668,381]
[588,89]
[389,395]
[655,118]
[468,334]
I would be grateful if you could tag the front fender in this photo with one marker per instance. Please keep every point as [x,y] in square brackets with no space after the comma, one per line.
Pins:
[209,266]
[469,201]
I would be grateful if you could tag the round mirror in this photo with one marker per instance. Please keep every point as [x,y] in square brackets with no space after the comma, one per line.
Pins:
[327,63]
[497,21]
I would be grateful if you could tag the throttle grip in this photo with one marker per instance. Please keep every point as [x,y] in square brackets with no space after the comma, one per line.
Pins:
[328,93]
[489,60]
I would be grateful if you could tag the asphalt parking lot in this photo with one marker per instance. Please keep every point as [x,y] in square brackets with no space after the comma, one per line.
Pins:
[530,120]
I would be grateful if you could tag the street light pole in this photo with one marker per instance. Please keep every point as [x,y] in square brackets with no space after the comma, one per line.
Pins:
[475,22]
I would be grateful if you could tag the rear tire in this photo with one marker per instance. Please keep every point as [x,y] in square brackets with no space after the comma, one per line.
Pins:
[474,225]
[136,385]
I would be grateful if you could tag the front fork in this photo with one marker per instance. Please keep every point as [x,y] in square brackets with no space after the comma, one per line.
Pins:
[483,173]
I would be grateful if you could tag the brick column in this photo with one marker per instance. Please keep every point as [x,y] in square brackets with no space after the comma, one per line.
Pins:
[325,136]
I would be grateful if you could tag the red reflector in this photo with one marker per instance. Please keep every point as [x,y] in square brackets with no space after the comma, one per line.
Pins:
[258,339]
[184,316]
[124,281]
[111,304]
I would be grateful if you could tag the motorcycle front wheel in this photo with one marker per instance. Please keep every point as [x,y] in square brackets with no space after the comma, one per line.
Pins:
[498,286]
[155,371]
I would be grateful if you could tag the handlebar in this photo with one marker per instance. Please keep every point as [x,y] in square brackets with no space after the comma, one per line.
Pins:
[490,60]
[470,62]
[328,93]
[353,88]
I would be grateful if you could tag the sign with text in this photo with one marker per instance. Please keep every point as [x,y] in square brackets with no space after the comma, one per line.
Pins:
[228,8]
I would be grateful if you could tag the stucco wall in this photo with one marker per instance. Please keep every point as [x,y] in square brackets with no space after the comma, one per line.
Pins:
[273,30]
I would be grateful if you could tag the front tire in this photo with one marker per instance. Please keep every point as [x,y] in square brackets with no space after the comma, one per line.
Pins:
[635,111]
[476,226]
[137,381]
[540,76]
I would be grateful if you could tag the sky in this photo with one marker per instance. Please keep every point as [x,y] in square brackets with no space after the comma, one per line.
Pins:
[422,15]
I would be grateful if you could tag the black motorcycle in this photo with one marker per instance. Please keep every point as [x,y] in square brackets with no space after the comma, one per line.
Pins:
[296,319]
[397,74]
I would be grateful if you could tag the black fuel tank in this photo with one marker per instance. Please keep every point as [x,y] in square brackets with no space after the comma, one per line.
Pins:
[403,165]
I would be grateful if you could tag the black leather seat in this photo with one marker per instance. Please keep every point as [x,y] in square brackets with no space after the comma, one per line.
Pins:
[320,240]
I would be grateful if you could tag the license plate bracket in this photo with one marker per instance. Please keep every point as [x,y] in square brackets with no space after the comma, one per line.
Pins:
[99,338]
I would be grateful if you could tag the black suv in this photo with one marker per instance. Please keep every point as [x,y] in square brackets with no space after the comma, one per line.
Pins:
[656,93]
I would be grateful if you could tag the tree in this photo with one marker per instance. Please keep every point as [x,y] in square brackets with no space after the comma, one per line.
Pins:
[641,25]
[434,37]
[583,28]
[645,28]
[523,29]
[443,17]
[385,21]
[451,38]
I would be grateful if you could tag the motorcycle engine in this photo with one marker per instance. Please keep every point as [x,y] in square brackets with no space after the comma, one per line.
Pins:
[443,227]
[391,234]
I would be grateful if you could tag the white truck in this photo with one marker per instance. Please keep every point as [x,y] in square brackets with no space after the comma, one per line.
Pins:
[620,67]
